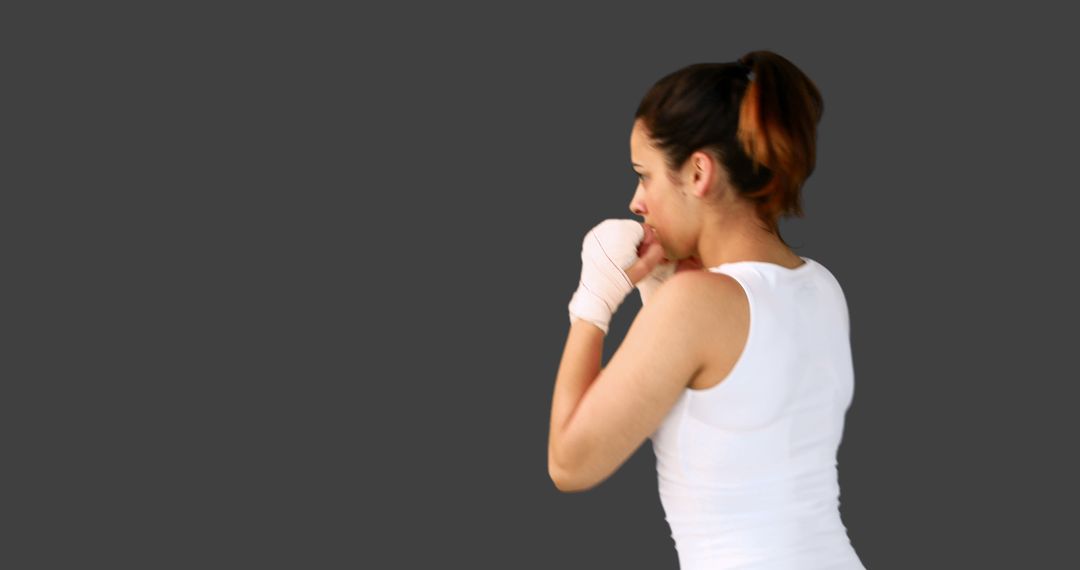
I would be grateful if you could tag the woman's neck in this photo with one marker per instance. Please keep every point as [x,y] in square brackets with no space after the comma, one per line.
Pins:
[742,239]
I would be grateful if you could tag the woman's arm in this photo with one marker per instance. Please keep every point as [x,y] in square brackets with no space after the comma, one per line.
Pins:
[600,415]
[580,365]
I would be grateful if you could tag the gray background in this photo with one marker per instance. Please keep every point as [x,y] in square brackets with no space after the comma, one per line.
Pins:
[287,287]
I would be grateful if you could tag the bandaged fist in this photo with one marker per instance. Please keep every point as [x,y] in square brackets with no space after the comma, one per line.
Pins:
[608,251]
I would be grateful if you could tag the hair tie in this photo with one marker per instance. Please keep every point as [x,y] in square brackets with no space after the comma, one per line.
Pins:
[745,69]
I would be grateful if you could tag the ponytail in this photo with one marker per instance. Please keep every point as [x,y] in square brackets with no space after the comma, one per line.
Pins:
[778,119]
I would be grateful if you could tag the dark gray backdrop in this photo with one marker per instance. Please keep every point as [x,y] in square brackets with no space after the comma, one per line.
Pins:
[288,286]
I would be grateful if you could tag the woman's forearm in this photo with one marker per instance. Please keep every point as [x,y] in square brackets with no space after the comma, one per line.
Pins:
[579,367]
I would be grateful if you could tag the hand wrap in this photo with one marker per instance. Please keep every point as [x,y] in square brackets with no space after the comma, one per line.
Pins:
[606,252]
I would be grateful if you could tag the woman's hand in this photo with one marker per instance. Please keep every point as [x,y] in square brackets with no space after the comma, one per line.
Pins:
[650,254]
[607,251]
[648,273]
[652,261]
[616,256]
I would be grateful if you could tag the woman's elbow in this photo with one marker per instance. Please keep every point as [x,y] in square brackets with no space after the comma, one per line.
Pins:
[567,482]
[561,477]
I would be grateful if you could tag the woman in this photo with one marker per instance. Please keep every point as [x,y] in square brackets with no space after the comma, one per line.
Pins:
[738,366]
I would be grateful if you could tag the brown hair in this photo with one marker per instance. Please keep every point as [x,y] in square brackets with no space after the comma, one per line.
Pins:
[761,127]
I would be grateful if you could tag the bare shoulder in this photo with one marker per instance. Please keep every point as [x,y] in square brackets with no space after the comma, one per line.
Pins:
[718,290]
[715,308]
[711,306]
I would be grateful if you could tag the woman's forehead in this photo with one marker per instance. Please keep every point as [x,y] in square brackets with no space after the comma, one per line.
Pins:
[640,149]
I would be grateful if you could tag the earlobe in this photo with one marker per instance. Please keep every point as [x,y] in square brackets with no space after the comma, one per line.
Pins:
[700,186]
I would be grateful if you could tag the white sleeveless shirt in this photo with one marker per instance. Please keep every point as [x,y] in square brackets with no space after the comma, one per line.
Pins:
[747,468]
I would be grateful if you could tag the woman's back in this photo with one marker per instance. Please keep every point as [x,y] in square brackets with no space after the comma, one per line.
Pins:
[747,468]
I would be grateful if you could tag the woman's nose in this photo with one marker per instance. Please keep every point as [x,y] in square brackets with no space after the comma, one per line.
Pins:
[637,202]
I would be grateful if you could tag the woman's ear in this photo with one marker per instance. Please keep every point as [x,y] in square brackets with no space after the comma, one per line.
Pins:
[702,173]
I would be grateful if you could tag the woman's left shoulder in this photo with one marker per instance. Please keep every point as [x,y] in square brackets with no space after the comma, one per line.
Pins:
[701,291]
[705,283]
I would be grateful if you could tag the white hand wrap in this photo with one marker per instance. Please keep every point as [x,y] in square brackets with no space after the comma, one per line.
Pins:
[606,252]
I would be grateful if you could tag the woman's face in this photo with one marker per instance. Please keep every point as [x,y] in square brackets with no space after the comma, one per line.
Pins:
[657,200]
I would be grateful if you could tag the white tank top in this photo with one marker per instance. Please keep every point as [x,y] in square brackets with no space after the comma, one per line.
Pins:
[747,468]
